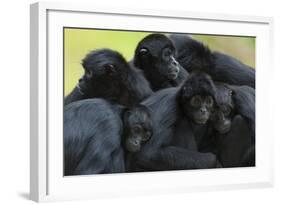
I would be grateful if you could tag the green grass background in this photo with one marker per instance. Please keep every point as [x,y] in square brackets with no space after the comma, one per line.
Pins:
[78,42]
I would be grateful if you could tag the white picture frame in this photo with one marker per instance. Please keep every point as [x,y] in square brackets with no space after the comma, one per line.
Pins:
[47,182]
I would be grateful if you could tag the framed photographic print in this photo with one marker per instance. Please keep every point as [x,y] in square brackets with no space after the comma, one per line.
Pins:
[129,102]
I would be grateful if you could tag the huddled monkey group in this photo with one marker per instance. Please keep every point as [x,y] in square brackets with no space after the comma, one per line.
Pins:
[176,105]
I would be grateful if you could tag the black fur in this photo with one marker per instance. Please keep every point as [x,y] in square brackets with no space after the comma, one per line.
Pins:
[241,101]
[95,130]
[92,138]
[121,84]
[244,102]
[194,55]
[155,69]
[137,127]
[236,147]
[99,136]
[198,83]
[224,109]
[162,152]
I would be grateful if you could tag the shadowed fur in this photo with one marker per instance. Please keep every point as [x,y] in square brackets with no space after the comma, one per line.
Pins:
[92,138]
[235,125]
[194,55]
[162,152]
[198,83]
[99,135]
[199,56]
[155,55]
[107,75]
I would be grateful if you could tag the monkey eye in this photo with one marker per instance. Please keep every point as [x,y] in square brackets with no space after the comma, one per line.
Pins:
[166,53]
[195,101]
[226,110]
[147,135]
[110,68]
[209,101]
[143,51]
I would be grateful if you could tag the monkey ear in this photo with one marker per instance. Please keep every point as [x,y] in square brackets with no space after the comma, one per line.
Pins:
[143,51]
[140,52]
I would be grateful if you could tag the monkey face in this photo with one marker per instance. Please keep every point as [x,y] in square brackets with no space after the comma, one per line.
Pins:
[222,115]
[221,119]
[199,108]
[138,128]
[155,54]
[197,97]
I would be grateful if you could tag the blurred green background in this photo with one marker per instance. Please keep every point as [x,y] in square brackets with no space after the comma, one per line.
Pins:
[78,42]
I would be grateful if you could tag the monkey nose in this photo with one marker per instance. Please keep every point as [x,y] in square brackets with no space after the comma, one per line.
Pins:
[136,142]
[173,70]
[175,63]
[203,110]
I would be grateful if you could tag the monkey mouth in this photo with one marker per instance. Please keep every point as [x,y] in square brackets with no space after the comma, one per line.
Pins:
[201,121]
[172,75]
[133,148]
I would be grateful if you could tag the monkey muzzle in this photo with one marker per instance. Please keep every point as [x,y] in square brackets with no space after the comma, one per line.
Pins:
[173,69]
